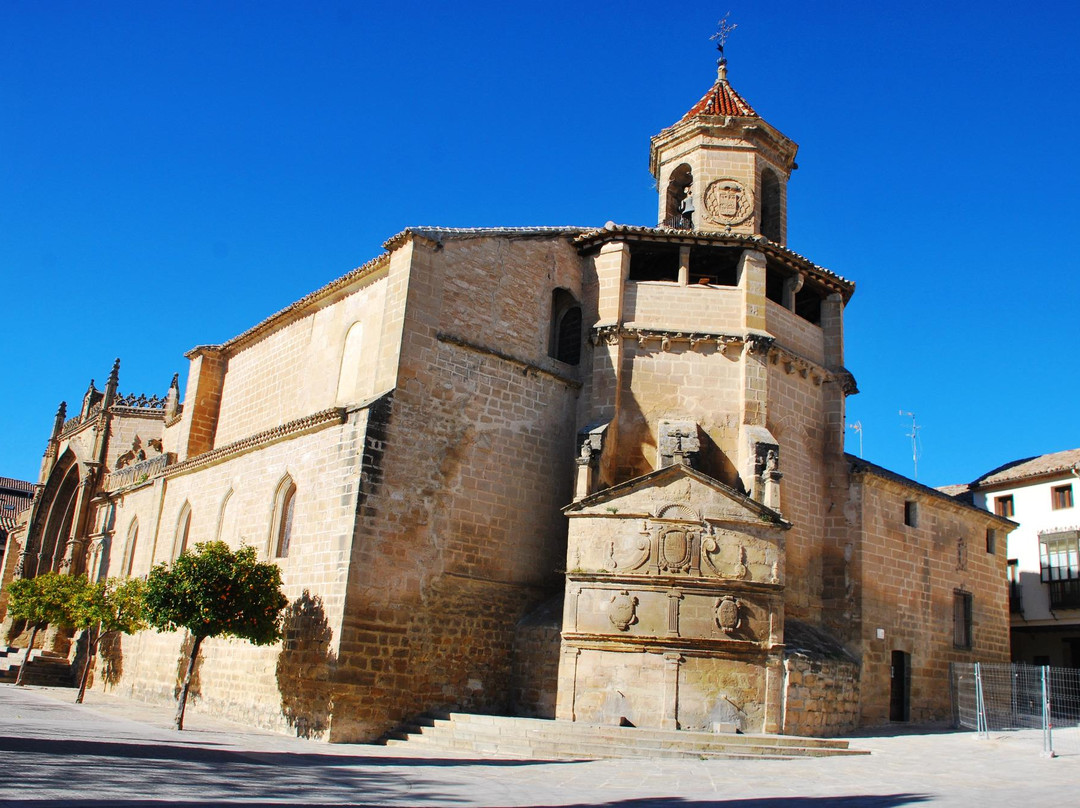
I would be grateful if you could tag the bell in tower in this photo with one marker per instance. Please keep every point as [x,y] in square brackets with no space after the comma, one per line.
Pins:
[722,168]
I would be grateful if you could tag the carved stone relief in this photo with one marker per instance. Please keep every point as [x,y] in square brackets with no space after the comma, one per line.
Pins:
[728,614]
[623,610]
[727,202]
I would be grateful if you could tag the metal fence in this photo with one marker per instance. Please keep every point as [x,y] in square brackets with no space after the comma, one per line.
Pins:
[1012,698]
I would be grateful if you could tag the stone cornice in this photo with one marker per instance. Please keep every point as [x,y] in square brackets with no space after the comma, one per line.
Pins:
[690,646]
[524,364]
[786,358]
[301,426]
[667,583]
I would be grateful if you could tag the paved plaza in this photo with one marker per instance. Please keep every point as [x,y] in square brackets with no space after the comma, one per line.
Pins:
[115,752]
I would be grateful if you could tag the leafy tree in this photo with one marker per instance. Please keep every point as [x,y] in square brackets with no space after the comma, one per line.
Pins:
[43,600]
[215,592]
[113,605]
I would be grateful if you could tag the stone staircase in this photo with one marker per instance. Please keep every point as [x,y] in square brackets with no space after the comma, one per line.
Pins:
[568,740]
[45,668]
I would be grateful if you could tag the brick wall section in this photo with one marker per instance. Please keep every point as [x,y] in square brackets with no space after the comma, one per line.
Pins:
[202,402]
[906,578]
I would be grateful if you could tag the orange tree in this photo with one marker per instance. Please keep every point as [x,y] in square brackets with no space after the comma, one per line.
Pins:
[215,592]
[104,607]
[43,600]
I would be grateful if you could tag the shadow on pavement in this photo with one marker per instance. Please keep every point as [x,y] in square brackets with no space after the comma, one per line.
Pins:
[859,801]
[195,754]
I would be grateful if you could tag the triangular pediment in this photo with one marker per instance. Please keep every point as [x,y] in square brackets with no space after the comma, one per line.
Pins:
[676,492]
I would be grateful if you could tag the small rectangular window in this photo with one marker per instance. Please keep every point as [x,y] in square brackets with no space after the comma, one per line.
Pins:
[991,540]
[1061,496]
[961,619]
[1003,506]
[911,513]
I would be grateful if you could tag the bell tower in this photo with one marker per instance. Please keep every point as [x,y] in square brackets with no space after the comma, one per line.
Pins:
[722,168]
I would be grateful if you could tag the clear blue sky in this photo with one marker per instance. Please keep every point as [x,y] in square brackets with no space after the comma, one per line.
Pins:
[171,173]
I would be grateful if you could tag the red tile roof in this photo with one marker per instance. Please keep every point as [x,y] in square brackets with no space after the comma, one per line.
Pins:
[721,100]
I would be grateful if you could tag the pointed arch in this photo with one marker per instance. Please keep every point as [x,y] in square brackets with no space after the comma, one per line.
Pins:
[281,525]
[352,384]
[183,530]
[57,514]
[129,547]
[564,340]
[226,521]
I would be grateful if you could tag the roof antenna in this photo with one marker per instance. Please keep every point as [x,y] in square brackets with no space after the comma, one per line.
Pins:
[723,31]
[857,426]
[914,435]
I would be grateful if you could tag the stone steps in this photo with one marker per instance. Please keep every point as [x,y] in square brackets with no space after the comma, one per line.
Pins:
[45,668]
[540,738]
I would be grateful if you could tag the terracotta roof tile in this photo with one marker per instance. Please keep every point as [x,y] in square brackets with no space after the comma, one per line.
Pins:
[1028,467]
[721,100]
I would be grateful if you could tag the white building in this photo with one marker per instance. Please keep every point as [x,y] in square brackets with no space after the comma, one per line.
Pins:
[1039,493]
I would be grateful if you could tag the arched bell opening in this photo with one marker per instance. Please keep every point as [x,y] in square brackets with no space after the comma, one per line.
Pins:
[679,202]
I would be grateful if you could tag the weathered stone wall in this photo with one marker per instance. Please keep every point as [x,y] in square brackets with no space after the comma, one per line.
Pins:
[821,696]
[906,579]
[793,332]
[796,420]
[460,533]
[695,307]
[535,675]
[295,369]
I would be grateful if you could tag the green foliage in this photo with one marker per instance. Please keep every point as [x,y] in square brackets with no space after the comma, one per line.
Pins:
[214,592]
[48,598]
[114,605]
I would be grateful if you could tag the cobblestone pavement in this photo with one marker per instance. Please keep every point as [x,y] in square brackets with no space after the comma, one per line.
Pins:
[115,752]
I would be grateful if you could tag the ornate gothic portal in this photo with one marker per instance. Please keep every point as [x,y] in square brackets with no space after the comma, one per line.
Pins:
[673,606]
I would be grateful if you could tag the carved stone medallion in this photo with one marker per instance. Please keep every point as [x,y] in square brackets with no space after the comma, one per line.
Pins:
[728,616]
[727,202]
[623,611]
[675,550]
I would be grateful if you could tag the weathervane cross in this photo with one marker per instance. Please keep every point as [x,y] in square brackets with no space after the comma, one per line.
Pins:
[723,31]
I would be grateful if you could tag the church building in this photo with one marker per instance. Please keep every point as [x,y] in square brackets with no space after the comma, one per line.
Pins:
[594,474]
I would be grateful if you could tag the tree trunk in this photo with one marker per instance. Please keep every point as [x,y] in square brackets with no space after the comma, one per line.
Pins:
[26,662]
[92,637]
[187,682]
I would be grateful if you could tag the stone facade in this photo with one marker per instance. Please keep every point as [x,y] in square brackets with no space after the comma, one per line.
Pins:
[441,443]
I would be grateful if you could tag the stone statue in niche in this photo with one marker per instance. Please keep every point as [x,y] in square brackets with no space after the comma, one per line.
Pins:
[728,614]
[623,610]
[133,455]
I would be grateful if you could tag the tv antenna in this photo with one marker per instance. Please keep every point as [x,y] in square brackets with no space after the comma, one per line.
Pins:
[914,435]
[857,426]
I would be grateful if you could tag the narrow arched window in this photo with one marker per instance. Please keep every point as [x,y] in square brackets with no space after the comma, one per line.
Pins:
[565,339]
[226,526]
[285,504]
[771,209]
[129,550]
[183,530]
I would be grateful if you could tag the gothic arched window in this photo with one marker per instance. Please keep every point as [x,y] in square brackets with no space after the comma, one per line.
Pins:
[284,505]
[183,530]
[129,549]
